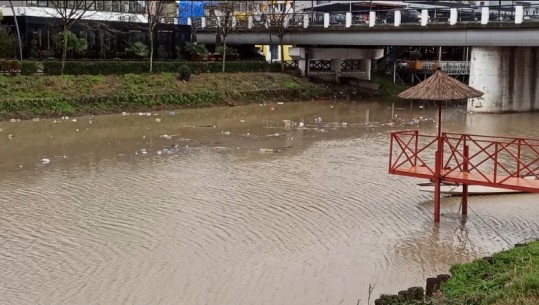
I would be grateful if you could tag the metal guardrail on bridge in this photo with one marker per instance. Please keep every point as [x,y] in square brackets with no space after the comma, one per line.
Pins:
[516,14]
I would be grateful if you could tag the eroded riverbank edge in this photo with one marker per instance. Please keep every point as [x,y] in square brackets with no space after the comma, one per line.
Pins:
[505,278]
[26,97]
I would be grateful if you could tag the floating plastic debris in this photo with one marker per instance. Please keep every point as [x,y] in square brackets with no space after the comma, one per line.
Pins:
[172,113]
[268,150]
[287,124]
[35,119]
[124,113]
[280,103]
[158,120]
[45,161]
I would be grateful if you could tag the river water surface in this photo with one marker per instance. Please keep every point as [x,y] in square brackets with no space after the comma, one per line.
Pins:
[196,209]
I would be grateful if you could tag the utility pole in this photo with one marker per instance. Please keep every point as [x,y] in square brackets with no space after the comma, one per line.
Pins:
[17,27]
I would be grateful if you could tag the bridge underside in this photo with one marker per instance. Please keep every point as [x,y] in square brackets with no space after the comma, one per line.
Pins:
[504,61]
[382,36]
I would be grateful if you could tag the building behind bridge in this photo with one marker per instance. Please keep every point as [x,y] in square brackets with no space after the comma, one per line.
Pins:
[110,29]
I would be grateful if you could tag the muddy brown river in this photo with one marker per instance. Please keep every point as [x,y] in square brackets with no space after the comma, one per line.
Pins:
[226,206]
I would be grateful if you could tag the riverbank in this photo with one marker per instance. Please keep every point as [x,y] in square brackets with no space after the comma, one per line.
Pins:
[26,97]
[507,278]
[45,96]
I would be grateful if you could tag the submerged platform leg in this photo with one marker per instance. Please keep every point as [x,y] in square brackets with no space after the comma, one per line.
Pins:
[464,200]
[437,200]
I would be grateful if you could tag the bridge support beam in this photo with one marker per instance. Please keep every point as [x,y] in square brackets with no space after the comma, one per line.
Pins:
[509,77]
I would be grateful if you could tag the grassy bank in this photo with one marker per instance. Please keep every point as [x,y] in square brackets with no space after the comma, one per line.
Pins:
[30,96]
[387,87]
[507,278]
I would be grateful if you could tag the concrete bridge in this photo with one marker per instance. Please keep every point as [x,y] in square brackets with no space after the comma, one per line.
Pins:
[504,60]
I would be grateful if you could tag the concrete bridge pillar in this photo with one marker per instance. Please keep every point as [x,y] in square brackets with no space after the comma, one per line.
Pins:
[509,77]
[366,67]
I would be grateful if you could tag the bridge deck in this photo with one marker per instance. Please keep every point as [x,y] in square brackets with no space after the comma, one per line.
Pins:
[515,183]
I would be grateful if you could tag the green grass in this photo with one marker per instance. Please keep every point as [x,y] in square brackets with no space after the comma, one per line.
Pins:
[291,84]
[45,95]
[510,278]
[97,79]
[387,87]
[513,275]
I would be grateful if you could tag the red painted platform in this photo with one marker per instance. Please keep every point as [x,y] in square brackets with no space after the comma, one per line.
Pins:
[467,159]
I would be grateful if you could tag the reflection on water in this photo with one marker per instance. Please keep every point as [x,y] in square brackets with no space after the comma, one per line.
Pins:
[125,215]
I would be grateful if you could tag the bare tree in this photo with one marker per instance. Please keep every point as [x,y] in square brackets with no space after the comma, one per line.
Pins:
[224,15]
[156,13]
[69,13]
[280,16]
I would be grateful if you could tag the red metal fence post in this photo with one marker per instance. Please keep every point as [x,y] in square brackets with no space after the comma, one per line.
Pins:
[438,178]
[391,153]
[465,186]
[416,135]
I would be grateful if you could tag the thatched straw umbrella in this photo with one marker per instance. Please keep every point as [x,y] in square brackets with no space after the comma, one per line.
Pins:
[440,87]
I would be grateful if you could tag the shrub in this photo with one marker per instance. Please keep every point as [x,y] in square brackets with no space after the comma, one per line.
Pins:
[229,51]
[184,73]
[52,67]
[194,48]
[14,66]
[3,66]
[138,49]
[28,68]
[8,44]
[119,67]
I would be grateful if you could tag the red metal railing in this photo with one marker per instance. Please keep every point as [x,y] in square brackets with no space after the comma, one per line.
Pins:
[468,159]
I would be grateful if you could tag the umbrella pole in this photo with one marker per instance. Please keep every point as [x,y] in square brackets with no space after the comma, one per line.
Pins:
[438,165]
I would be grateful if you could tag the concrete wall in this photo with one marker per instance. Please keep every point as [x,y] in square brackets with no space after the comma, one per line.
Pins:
[509,77]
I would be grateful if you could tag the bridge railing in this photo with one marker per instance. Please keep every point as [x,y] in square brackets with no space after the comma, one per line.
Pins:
[358,18]
[449,67]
